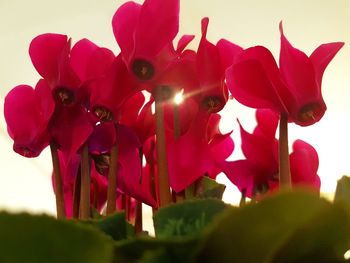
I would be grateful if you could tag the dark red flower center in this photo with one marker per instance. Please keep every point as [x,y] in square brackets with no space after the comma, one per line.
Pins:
[103,114]
[64,96]
[143,69]
[102,163]
[309,112]
[212,104]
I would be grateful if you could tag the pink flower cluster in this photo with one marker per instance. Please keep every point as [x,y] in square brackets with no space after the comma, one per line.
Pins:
[88,96]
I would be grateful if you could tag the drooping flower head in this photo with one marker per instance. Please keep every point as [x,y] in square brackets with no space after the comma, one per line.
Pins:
[294,88]
[27,113]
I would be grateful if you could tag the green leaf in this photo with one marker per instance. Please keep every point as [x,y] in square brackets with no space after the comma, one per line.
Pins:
[205,187]
[115,226]
[323,239]
[26,238]
[186,218]
[147,249]
[342,193]
[268,231]
[211,188]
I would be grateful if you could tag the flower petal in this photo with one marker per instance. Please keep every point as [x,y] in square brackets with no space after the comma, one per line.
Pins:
[157,26]
[124,23]
[228,52]
[45,51]
[322,56]
[254,79]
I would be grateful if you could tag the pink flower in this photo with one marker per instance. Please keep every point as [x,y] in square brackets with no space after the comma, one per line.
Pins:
[210,66]
[145,33]
[258,173]
[295,88]
[27,113]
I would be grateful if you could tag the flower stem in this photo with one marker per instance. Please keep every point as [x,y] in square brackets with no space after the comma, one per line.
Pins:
[85,184]
[76,194]
[112,180]
[284,167]
[164,188]
[177,197]
[138,218]
[60,207]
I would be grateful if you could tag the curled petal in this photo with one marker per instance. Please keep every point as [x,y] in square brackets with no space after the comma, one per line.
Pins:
[183,42]
[210,73]
[322,56]
[297,70]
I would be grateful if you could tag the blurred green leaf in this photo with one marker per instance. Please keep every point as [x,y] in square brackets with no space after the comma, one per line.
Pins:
[342,192]
[324,239]
[26,238]
[211,188]
[147,249]
[115,226]
[186,218]
[270,231]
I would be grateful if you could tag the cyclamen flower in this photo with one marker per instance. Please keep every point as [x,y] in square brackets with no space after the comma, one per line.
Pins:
[27,113]
[295,88]
[143,33]
[211,90]
[258,173]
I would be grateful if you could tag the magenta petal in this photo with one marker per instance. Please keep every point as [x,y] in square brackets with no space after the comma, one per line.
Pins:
[183,42]
[259,150]
[158,26]
[102,138]
[71,128]
[189,156]
[124,23]
[80,57]
[304,165]
[322,56]
[297,71]
[228,52]
[241,173]
[249,84]
[27,114]
[45,51]
[209,69]
[267,122]
[129,167]
[300,145]
[221,147]
[112,90]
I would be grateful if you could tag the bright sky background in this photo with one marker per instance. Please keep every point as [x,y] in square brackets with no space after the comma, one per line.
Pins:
[25,184]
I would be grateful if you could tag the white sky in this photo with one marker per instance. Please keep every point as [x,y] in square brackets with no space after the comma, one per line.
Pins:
[26,184]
